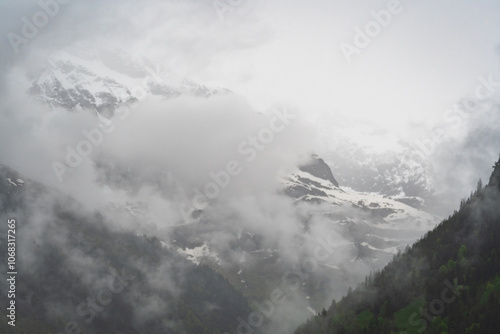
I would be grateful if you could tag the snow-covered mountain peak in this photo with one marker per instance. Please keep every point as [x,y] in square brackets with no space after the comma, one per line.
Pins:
[307,185]
[75,80]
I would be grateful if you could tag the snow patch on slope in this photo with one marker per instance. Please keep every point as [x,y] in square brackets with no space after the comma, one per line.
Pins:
[196,254]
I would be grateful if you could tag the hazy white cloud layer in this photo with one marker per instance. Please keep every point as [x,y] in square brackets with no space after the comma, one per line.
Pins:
[178,155]
[421,60]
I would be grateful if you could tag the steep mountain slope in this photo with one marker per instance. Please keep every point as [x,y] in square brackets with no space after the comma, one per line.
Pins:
[359,231]
[368,230]
[448,282]
[75,274]
[375,224]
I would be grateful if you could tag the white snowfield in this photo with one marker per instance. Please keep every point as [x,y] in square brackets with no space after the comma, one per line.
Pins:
[16,182]
[397,215]
[197,253]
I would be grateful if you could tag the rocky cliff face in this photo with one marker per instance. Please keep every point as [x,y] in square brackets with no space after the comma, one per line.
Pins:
[317,167]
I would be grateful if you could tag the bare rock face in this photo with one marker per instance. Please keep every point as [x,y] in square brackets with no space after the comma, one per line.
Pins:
[317,167]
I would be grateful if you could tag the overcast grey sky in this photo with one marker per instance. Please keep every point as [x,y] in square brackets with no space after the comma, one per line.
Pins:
[428,56]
